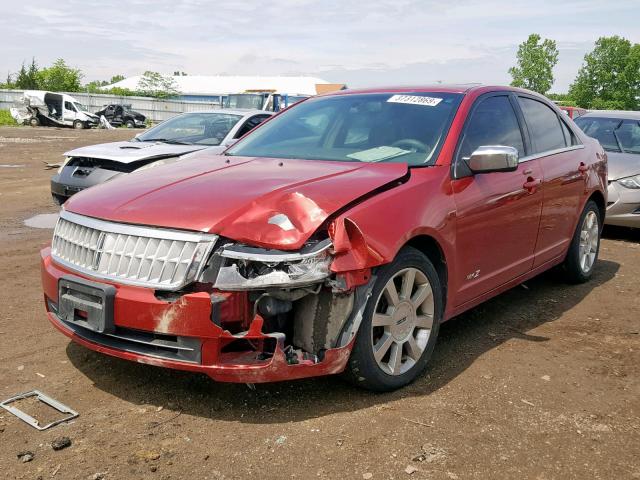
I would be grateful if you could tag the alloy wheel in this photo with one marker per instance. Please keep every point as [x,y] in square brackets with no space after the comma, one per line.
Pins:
[402,321]
[589,235]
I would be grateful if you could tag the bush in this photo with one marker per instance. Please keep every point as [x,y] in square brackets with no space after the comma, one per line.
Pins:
[6,118]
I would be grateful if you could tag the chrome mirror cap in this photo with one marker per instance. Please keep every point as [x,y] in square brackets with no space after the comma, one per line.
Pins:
[497,158]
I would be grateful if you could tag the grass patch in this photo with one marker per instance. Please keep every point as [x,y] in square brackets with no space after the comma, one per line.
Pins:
[6,118]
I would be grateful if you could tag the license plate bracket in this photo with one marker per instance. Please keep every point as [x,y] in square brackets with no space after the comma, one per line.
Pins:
[85,303]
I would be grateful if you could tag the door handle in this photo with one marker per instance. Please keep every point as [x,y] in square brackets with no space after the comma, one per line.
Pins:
[531,184]
[582,168]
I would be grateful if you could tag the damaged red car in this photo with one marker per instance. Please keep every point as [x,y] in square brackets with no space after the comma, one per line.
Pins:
[336,237]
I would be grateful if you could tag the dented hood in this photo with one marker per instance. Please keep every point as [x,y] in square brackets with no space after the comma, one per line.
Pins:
[273,203]
[133,151]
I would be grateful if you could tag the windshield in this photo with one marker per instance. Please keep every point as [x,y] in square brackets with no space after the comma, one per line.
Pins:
[80,107]
[193,128]
[614,134]
[244,100]
[357,128]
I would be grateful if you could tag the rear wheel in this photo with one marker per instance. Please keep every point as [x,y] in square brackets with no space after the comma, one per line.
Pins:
[585,245]
[34,122]
[130,124]
[400,324]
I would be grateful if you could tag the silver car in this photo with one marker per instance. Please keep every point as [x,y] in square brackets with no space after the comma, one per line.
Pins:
[619,134]
[164,143]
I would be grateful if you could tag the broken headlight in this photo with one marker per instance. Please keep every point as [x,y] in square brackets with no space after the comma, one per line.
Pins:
[240,267]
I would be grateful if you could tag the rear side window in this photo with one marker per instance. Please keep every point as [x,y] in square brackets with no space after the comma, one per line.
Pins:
[493,122]
[569,137]
[544,126]
[250,124]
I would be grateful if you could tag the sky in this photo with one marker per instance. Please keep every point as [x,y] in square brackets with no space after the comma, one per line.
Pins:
[360,43]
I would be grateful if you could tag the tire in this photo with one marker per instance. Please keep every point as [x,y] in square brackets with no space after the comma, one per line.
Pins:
[386,325]
[579,263]
[34,122]
[78,125]
[129,124]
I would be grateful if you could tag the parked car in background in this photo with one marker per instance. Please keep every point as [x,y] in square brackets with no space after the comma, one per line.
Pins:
[573,112]
[164,143]
[337,236]
[52,109]
[619,134]
[121,114]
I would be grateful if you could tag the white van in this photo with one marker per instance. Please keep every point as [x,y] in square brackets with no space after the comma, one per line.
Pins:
[56,109]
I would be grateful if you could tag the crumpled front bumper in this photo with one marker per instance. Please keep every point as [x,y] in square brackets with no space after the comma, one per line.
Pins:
[182,334]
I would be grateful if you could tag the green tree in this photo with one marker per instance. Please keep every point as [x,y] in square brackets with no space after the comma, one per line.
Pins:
[27,78]
[59,77]
[610,76]
[153,84]
[116,79]
[536,60]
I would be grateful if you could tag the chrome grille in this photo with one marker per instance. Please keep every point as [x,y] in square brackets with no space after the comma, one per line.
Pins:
[145,256]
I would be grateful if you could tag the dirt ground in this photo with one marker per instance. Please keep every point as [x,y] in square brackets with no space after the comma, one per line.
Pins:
[542,382]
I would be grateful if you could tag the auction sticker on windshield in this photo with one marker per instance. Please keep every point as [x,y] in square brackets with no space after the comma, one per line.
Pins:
[415,100]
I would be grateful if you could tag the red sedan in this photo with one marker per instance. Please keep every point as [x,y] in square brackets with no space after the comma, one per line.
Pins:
[337,236]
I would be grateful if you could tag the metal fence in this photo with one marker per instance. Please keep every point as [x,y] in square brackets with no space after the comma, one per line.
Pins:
[154,109]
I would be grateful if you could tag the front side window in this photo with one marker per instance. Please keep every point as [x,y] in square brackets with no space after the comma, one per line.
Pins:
[544,126]
[193,128]
[614,134]
[492,123]
[380,127]
[69,106]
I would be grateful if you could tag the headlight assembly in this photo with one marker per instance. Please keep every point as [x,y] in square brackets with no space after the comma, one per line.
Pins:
[245,268]
[630,182]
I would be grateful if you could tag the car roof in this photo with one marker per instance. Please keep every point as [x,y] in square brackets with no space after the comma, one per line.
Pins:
[622,114]
[233,111]
[461,88]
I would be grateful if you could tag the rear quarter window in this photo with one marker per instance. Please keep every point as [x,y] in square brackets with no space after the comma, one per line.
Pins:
[544,126]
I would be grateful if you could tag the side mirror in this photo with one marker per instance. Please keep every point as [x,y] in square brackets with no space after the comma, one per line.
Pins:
[497,158]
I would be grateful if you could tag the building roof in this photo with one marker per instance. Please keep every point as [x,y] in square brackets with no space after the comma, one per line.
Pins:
[223,84]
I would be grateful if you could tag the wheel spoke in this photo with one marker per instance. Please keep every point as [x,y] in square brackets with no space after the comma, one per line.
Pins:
[424,321]
[413,350]
[408,280]
[381,320]
[380,348]
[422,293]
[391,294]
[395,360]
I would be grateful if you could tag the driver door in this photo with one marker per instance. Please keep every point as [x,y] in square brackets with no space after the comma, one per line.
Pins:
[69,114]
[498,213]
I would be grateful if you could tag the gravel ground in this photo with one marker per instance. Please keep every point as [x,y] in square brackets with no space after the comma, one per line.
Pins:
[541,382]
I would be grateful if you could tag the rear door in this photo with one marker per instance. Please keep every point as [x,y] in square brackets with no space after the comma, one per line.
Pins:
[497,213]
[560,155]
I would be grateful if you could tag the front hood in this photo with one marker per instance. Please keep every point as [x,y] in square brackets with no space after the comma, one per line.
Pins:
[132,151]
[622,165]
[268,202]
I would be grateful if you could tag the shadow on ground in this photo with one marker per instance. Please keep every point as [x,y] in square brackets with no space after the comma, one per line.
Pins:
[462,340]
[621,233]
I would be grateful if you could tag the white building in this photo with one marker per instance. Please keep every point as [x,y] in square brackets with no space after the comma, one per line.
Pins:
[211,88]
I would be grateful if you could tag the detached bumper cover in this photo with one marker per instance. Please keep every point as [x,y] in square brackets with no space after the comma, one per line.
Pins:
[181,335]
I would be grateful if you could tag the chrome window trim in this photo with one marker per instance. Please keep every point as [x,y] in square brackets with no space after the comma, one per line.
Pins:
[548,153]
[205,244]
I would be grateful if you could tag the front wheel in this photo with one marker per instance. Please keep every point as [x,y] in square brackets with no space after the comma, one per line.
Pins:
[400,324]
[78,125]
[130,124]
[585,245]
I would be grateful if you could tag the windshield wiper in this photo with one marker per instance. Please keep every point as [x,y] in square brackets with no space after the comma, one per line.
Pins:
[615,134]
[166,140]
